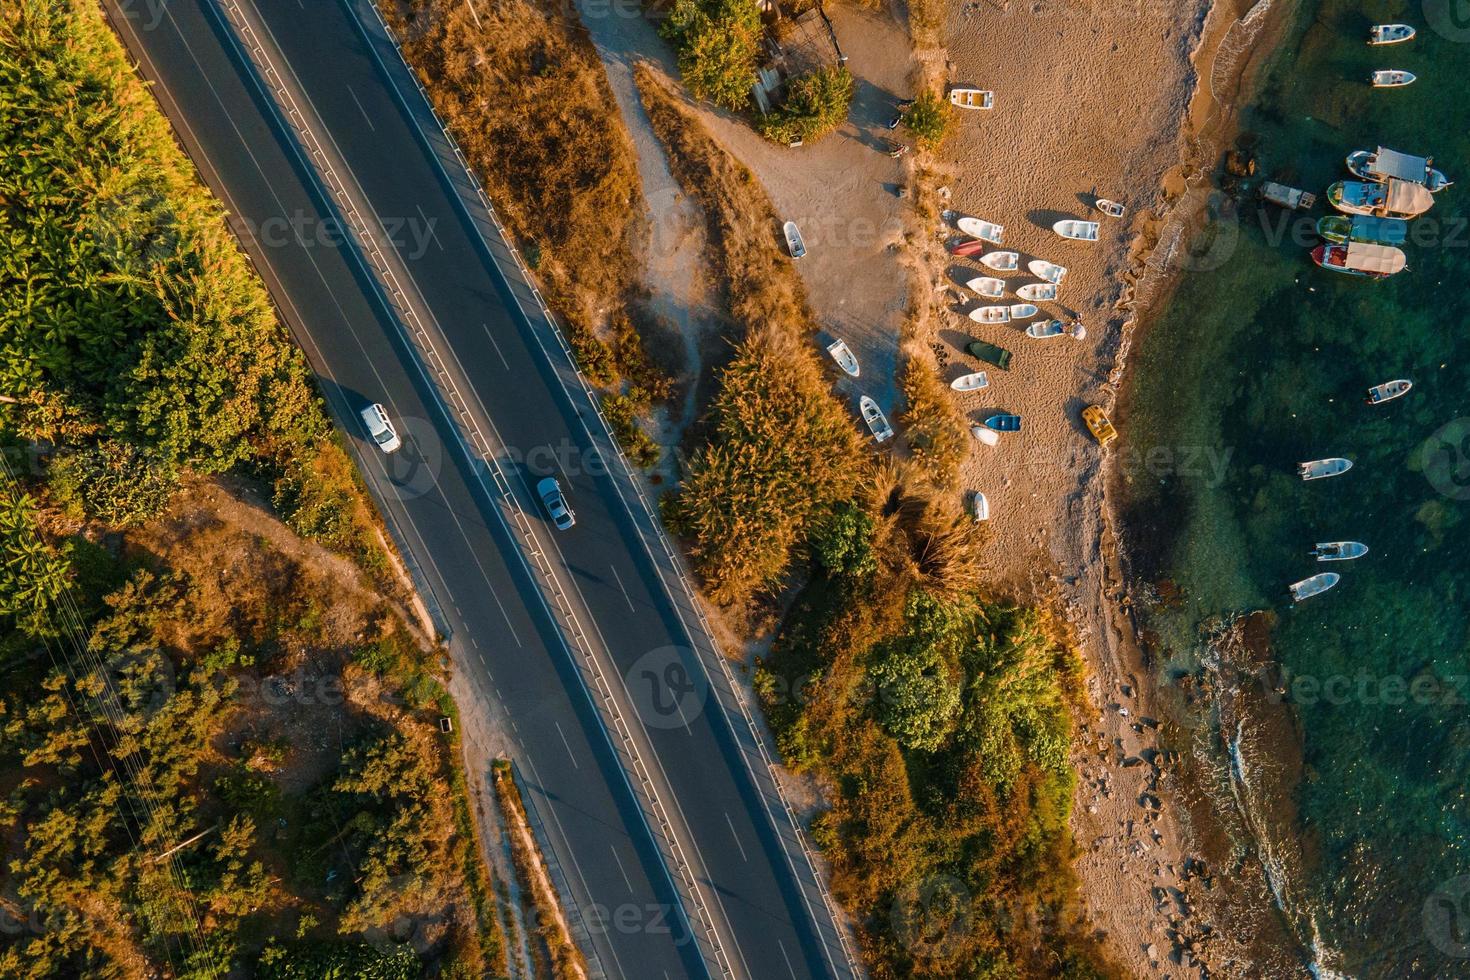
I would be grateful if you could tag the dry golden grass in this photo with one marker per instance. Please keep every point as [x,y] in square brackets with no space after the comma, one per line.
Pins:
[934,427]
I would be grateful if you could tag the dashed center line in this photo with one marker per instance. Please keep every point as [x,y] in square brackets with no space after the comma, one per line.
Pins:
[567,744]
[737,837]
[619,579]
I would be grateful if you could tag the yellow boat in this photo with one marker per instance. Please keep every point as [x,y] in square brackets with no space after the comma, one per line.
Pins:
[1097,423]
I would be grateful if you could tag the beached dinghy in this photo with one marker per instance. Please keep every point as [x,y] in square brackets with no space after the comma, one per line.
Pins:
[1344,228]
[1043,329]
[843,355]
[1321,469]
[985,351]
[987,286]
[1049,271]
[1388,391]
[1390,34]
[988,436]
[1393,199]
[1001,261]
[877,421]
[972,98]
[1392,78]
[1315,585]
[1385,164]
[991,314]
[1110,208]
[1038,291]
[969,246]
[1020,311]
[794,244]
[980,507]
[970,382]
[986,231]
[1004,423]
[1361,259]
[1079,231]
[1339,550]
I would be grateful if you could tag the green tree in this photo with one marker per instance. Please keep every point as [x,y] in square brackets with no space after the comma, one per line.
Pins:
[928,119]
[32,575]
[815,104]
[718,47]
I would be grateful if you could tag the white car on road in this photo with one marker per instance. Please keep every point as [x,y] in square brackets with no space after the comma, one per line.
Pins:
[375,417]
[549,490]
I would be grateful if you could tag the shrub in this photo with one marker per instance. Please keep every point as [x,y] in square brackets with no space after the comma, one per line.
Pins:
[816,104]
[928,120]
[934,427]
[114,482]
[622,417]
[717,42]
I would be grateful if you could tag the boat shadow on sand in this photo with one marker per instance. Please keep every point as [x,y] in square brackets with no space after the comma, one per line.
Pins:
[1044,218]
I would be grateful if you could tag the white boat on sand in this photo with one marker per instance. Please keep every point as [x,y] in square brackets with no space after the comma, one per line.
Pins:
[1320,469]
[1315,585]
[1081,231]
[980,507]
[1020,311]
[1049,271]
[1001,261]
[987,286]
[1388,391]
[1392,78]
[991,314]
[877,421]
[794,244]
[986,231]
[1339,550]
[1038,291]
[1110,208]
[1042,329]
[970,382]
[845,358]
[1390,34]
[972,98]
[988,436]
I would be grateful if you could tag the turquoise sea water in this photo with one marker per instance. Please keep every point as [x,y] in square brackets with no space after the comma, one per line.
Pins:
[1262,360]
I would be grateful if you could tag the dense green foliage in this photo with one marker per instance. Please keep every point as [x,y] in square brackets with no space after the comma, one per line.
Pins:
[32,576]
[814,105]
[718,46]
[928,119]
[941,722]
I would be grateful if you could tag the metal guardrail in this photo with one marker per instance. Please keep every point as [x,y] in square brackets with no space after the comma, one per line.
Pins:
[423,342]
[676,562]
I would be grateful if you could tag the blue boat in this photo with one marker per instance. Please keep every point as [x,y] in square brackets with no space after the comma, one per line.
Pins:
[1004,423]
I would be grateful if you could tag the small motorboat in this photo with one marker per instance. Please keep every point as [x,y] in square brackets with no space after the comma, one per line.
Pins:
[845,358]
[1038,291]
[1043,329]
[1001,261]
[1080,231]
[1392,78]
[969,246]
[1320,469]
[991,314]
[1344,228]
[986,231]
[1287,197]
[1049,271]
[877,421]
[1110,208]
[987,286]
[970,382]
[972,98]
[988,436]
[794,244]
[1361,259]
[1098,424]
[1020,311]
[1315,585]
[1004,423]
[1339,550]
[989,353]
[1385,164]
[1390,34]
[1393,199]
[1388,391]
[980,507]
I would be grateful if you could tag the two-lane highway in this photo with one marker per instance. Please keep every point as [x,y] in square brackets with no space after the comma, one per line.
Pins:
[721,824]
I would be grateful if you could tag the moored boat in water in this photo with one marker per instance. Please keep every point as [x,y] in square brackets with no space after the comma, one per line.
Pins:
[1392,78]
[1381,34]
[1315,585]
[1388,391]
[1343,228]
[1392,199]
[1361,259]
[1321,469]
[1385,164]
[1288,197]
[1339,550]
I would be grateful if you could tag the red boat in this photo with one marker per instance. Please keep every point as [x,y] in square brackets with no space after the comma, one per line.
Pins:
[1360,259]
[970,246]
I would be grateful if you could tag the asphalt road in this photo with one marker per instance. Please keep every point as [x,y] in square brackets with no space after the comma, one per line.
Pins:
[612,866]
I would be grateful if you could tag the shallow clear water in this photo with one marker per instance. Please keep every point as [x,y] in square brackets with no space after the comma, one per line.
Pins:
[1264,361]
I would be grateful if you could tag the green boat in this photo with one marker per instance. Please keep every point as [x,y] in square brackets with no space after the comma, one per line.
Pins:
[989,353]
[1342,228]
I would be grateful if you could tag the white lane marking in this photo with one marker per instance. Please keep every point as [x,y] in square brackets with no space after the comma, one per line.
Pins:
[493,342]
[626,880]
[433,230]
[789,967]
[566,743]
[737,837]
[366,118]
[619,579]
